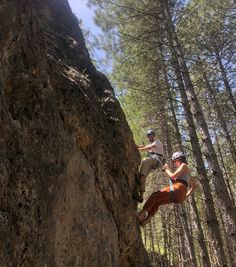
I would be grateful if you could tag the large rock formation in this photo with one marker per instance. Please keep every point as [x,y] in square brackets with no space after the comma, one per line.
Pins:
[67,157]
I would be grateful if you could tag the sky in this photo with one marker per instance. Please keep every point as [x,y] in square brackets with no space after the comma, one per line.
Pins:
[82,11]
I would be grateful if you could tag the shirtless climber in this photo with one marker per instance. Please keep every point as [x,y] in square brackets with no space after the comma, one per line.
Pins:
[152,160]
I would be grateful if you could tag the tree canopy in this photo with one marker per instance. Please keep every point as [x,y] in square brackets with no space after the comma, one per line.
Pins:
[173,69]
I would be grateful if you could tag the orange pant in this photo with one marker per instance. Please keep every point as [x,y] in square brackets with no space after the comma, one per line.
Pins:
[164,196]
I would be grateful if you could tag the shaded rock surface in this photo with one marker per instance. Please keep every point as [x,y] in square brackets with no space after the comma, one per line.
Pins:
[67,156]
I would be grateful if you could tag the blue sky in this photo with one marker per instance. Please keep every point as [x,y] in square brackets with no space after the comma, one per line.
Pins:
[82,11]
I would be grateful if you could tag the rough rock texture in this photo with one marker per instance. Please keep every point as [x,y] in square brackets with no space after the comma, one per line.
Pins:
[67,157]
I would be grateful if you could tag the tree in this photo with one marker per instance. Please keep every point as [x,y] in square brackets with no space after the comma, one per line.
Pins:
[156,46]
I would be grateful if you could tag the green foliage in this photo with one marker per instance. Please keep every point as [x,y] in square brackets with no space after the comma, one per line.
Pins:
[144,72]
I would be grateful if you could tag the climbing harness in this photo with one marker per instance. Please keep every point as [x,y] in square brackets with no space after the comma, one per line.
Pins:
[154,156]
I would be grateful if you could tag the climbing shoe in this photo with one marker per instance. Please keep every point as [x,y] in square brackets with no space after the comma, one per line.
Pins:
[138,198]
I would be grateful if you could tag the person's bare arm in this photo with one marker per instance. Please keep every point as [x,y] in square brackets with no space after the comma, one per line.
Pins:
[140,146]
[192,185]
[177,173]
[146,148]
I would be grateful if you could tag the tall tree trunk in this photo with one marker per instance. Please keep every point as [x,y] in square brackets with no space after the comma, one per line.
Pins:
[212,222]
[191,260]
[220,116]
[200,235]
[165,237]
[226,82]
[186,240]
[170,242]
[210,210]
[202,245]
[182,253]
[230,253]
[218,181]
[152,240]
[224,168]
[170,99]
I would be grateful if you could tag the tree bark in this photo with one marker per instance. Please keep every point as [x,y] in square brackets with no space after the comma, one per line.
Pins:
[220,116]
[170,99]
[218,181]
[200,235]
[212,222]
[224,168]
[210,210]
[191,259]
[202,245]
[187,253]
[226,82]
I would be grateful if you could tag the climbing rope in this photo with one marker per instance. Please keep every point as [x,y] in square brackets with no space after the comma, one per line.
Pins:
[172,191]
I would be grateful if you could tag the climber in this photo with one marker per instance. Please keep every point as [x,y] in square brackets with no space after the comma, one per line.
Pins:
[181,180]
[153,160]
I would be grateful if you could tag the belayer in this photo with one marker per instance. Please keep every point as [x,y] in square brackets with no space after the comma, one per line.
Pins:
[152,161]
[183,186]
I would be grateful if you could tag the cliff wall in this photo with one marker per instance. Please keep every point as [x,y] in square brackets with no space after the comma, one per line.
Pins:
[67,155]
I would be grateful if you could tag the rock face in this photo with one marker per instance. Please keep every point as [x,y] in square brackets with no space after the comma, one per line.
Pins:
[67,156]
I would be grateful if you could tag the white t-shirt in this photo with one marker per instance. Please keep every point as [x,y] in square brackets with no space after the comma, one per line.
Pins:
[158,148]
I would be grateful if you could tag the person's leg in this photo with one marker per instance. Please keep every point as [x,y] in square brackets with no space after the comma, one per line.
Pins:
[180,192]
[142,186]
[150,164]
[146,167]
[148,205]
[159,198]
[165,197]
[153,202]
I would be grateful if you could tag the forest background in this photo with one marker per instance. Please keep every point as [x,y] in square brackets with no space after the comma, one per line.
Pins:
[173,65]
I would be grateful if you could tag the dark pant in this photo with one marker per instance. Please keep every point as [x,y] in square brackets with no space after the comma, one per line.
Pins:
[164,196]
